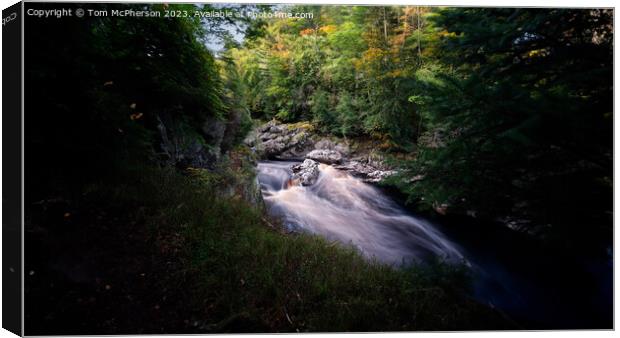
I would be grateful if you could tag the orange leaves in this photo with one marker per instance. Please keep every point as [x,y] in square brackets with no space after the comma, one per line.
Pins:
[306,31]
[280,50]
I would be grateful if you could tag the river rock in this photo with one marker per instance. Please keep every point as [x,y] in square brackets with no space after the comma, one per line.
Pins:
[274,147]
[296,141]
[307,172]
[265,127]
[325,156]
[342,148]
[324,144]
[282,141]
[364,171]
[327,144]
[379,175]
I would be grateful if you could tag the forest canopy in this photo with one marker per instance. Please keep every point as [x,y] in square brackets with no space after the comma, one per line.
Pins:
[494,112]
[144,211]
[503,111]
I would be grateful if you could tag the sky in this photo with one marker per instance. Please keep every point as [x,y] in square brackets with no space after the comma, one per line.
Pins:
[214,42]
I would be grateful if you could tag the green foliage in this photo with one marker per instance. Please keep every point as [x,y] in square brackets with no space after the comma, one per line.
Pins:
[348,118]
[247,275]
[101,92]
[505,112]
[339,70]
[321,110]
[239,118]
[497,105]
[518,101]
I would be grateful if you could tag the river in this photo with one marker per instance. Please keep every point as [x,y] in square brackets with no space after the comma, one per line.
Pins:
[535,288]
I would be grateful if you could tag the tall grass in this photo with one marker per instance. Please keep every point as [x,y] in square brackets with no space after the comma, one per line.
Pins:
[241,273]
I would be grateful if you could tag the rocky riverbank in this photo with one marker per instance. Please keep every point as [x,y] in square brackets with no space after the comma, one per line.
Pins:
[300,141]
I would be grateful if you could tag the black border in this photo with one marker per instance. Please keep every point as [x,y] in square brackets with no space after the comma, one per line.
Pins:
[12,169]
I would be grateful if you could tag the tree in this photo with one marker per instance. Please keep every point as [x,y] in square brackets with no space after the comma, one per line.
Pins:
[521,101]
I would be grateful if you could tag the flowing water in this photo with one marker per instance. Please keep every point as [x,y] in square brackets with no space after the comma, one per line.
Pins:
[540,289]
[343,208]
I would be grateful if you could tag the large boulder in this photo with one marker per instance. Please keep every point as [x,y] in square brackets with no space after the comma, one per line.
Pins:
[324,144]
[325,156]
[307,172]
[282,141]
[265,127]
[342,148]
[274,147]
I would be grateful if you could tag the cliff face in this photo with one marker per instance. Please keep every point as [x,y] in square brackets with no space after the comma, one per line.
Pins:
[198,145]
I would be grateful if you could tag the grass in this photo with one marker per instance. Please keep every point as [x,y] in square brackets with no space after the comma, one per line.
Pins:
[217,265]
[250,276]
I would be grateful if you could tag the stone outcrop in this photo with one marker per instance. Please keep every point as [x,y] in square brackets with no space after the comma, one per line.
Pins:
[325,156]
[298,141]
[281,141]
[365,171]
[307,172]
[181,148]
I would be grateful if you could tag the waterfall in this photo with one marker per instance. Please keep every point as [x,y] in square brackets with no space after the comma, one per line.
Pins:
[342,208]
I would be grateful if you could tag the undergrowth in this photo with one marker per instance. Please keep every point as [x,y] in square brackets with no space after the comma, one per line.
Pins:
[247,275]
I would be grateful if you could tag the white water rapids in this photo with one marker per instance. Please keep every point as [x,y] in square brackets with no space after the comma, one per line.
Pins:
[537,287]
[341,207]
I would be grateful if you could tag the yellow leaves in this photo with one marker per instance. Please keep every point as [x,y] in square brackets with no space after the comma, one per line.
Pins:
[283,54]
[537,53]
[357,63]
[135,116]
[371,62]
[445,34]
[395,73]
[373,54]
[328,29]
